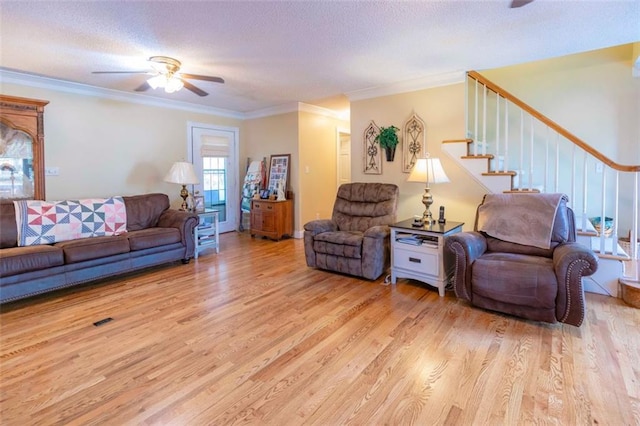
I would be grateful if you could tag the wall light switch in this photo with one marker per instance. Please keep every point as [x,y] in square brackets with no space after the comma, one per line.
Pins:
[52,171]
[306,169]
[598,167]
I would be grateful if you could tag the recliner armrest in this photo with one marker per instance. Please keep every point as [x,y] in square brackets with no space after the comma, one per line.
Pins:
[474,244]
[566,255]
[465,248]
[571,262]
[380,231]
[320,225]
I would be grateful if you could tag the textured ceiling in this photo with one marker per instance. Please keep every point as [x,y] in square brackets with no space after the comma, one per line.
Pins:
[273,53]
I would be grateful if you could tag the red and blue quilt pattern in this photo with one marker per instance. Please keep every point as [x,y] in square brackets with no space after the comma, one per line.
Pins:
[43,222]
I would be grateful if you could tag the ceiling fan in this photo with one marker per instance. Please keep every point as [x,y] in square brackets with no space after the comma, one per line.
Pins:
[166,74]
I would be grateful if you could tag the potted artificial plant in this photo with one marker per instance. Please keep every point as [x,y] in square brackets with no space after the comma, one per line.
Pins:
[388,139]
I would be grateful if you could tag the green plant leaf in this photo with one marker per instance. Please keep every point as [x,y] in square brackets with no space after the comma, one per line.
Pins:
[387,138]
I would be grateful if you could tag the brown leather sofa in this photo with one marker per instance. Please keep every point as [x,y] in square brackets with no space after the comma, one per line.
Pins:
[540,284]
[155,235]
[355,240]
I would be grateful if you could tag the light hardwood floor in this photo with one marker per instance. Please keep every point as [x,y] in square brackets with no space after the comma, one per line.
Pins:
[251,335]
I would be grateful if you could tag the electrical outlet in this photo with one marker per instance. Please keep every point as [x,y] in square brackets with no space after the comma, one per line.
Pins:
[52,171]
[599,167]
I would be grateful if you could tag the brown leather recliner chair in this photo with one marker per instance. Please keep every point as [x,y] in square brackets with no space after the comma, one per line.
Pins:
[356,239]
[531,281]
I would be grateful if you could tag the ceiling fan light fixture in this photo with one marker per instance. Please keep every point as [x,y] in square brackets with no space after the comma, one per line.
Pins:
[159,80]
[173,84]
[165,74]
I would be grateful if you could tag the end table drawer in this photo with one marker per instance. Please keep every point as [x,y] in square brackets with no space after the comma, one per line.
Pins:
[417,260]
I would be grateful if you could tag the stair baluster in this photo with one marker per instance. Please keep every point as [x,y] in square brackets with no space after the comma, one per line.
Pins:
[594,198]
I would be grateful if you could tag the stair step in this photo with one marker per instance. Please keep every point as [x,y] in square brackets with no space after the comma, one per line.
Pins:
[608,249]
[458,141]
[507,173]
[487,156]
[522,191]
[587,233]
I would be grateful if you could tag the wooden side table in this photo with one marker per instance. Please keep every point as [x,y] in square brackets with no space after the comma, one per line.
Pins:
[272,219]
[206,233]
[418,252]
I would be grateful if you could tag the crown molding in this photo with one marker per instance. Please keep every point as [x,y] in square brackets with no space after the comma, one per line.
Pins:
[408,86]
[326,112]
[31,80]
[269,111]
[295,107]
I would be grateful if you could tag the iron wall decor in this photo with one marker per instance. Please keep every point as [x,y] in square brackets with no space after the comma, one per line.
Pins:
[372,151]
[414,144]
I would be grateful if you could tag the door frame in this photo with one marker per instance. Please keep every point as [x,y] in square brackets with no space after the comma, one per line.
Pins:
[233,198]
[341,131]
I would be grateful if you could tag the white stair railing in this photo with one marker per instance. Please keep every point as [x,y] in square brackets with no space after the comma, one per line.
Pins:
[540,151]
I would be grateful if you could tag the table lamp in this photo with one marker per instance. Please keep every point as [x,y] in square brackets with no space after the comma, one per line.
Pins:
[182,173]
[428,170]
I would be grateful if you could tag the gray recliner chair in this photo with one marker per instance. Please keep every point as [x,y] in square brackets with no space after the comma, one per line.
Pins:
[355,240]
[539,276]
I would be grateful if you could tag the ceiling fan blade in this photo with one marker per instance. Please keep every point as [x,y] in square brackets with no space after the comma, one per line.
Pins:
[203,77]
[143,87]
[194,89]
[519,3]
[119,72]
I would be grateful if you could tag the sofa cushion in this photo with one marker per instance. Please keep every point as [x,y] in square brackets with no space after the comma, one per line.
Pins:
[523,280]
[153,237]
[93,248]
[143,211]
[494,244]
[345,244]
[18,260]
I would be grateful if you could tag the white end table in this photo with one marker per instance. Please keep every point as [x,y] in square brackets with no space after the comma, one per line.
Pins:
[206,233]
[418,252]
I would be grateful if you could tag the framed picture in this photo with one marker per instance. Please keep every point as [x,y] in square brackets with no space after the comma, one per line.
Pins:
[264,194]
[198,203]
[279,171]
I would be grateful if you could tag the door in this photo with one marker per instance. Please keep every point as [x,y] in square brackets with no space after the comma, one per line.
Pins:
[213,151]
[344,156]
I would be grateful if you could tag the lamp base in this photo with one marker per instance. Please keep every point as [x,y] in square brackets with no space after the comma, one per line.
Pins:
[427,200]
[184,193]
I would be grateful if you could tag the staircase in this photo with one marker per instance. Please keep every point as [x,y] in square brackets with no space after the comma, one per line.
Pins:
[511,147]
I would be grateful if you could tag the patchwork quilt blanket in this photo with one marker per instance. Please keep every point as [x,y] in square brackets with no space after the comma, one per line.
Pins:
[44,222]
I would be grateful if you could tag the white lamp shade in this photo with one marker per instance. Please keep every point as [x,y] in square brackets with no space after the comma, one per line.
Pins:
[182,173]
[428,170]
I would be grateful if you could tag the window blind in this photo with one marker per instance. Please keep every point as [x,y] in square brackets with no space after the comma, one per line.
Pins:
[214,146]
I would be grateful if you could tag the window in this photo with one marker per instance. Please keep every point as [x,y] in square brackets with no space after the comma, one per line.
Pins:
[214,174]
